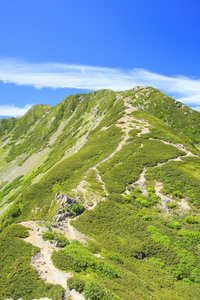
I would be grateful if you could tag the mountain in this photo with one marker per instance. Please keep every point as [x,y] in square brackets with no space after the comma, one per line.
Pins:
[124,168]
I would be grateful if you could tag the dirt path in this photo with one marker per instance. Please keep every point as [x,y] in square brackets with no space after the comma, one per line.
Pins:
[99,178]
[75,234]
[141,182]
[164,199]
[42,260]
[126,123]
[184,204]
[178,146]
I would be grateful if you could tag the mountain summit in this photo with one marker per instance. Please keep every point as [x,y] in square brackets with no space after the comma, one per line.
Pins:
[124,169]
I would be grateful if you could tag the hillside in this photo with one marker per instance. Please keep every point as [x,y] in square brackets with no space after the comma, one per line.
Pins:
[125,169]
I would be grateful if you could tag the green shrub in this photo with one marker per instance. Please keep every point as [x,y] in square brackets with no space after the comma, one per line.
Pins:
[18,278]
[157,262]
[150,189]
[82,259]
[146,218]
[175,225]
[140,214]
[59,237]
[137,190]
[95,291]
[178,194]
[143,202]
[171,205]
[78,208]
[15,230]
[48,236]
[126,199]
[76,284]
[115,257]
[193,236]
[191,220]
[158,237]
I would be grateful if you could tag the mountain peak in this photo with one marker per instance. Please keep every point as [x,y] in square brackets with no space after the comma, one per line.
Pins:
[125,167]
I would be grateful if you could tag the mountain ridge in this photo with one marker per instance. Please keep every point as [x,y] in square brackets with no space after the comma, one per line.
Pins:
[130,158]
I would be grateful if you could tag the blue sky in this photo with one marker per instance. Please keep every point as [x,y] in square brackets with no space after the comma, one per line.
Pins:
[51,49]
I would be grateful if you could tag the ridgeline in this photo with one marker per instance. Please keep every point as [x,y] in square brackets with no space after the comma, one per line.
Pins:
[124,167]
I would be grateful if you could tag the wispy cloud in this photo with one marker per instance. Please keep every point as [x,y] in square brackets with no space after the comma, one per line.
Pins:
[56,75]
[13,111]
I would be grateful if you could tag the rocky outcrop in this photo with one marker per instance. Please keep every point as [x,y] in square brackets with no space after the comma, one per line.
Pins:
[64,210]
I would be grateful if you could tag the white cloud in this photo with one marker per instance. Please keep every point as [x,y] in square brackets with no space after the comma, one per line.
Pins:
[196,108]
[56,75]
[13,111]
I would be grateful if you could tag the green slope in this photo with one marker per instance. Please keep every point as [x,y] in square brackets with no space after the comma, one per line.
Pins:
[137,151]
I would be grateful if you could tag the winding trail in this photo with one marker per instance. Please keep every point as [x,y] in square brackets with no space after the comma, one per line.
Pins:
[178,146]
[141,182]
[126,123]
[164,199]
[42,260]
[158,186]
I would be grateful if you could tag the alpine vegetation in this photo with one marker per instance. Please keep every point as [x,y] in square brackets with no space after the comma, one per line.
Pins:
[100,199]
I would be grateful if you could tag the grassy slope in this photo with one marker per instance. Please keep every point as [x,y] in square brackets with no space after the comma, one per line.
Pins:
[121,224]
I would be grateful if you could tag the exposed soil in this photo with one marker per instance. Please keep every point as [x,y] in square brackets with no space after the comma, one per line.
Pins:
[42,261]
[164,199]
[141,182]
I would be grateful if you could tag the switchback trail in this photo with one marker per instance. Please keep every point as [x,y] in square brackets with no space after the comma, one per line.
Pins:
[164,199]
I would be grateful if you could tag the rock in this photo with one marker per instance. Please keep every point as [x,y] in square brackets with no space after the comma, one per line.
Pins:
[140,255]
[65,201]
[55,225]
[57,244]
[62,211]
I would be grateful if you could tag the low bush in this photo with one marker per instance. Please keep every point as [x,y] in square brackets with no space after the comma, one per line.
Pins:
[178,194]
[95,291]
[143,202]
[80,258]
[171,205]
[174,225]
[191,220]
[146,218]
[158,237]
[115,257]
[76,284]
[59,237]
[78,208]
[193,236]
[15,230]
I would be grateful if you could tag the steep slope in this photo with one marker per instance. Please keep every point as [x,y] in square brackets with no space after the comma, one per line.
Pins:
[131,160]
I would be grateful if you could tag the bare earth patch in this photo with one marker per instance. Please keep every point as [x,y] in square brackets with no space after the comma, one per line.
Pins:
[42,261]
